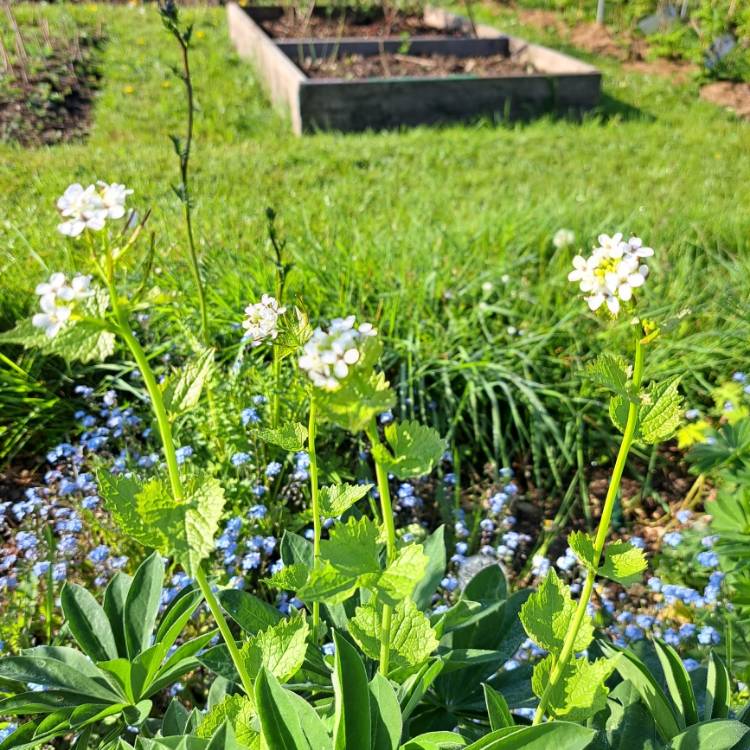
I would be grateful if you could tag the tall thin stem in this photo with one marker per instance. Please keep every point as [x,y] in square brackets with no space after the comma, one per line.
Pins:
[170,455]
[601,537]
[390,540]
[184,177]
[311,436]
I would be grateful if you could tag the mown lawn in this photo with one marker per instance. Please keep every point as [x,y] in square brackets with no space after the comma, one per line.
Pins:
[409,226]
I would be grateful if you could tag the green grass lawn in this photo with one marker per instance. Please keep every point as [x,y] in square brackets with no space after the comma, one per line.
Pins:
[409,225]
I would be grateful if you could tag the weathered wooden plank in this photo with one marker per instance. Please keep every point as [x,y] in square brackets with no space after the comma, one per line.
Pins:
[351,106]
[317,48]
[280,76]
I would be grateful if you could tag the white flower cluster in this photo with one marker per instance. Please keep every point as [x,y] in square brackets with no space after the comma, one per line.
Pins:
[89,208]
[262,319]
[57,299]
[328,355]
[613,270]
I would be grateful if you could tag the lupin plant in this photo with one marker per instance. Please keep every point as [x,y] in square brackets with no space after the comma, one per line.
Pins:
[570,686]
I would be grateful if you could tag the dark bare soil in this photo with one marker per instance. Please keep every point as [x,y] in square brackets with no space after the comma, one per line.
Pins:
[321,26]
[47,97]
[393,65]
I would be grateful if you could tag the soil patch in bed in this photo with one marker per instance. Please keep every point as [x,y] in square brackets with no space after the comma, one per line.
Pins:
[394,65]
[730,94]
[322,26]
[48,97]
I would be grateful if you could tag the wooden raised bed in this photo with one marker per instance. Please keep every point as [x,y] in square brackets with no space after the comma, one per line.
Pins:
[559,82]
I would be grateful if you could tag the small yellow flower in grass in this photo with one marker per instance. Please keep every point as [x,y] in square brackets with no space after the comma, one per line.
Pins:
[166,84]
[128,89]
[200,34]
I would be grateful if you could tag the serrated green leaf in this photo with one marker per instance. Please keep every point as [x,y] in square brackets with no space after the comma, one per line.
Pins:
[583,545]
[363,396]
[119,492]
[353,548]
[412,638]
[327,584]
[184,530]
[279,648]
[414,449]
[182,388]
[290,578]
[580,692]
[293,334]
[291,436]
[336,499]
[623,563]
[619,406]
[400,578]
[610,372]
[660,411]
[547,614]
[81,341]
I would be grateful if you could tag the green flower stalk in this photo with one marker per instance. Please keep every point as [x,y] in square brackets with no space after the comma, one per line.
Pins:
[315,501]
[121,327]
[601,537]
[386,508]
[170,18]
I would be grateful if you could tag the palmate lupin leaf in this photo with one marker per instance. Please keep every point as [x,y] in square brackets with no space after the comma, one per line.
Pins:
[125,659]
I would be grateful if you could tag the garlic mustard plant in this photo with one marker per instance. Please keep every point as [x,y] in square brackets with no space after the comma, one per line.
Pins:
[568,685]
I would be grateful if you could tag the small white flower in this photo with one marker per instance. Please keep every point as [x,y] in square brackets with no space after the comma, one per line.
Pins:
[113,198]
[53,317]
[612,272]
[83,208]
[57,282]
[563,238]
[80,287]
[329,355]
[262,319]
